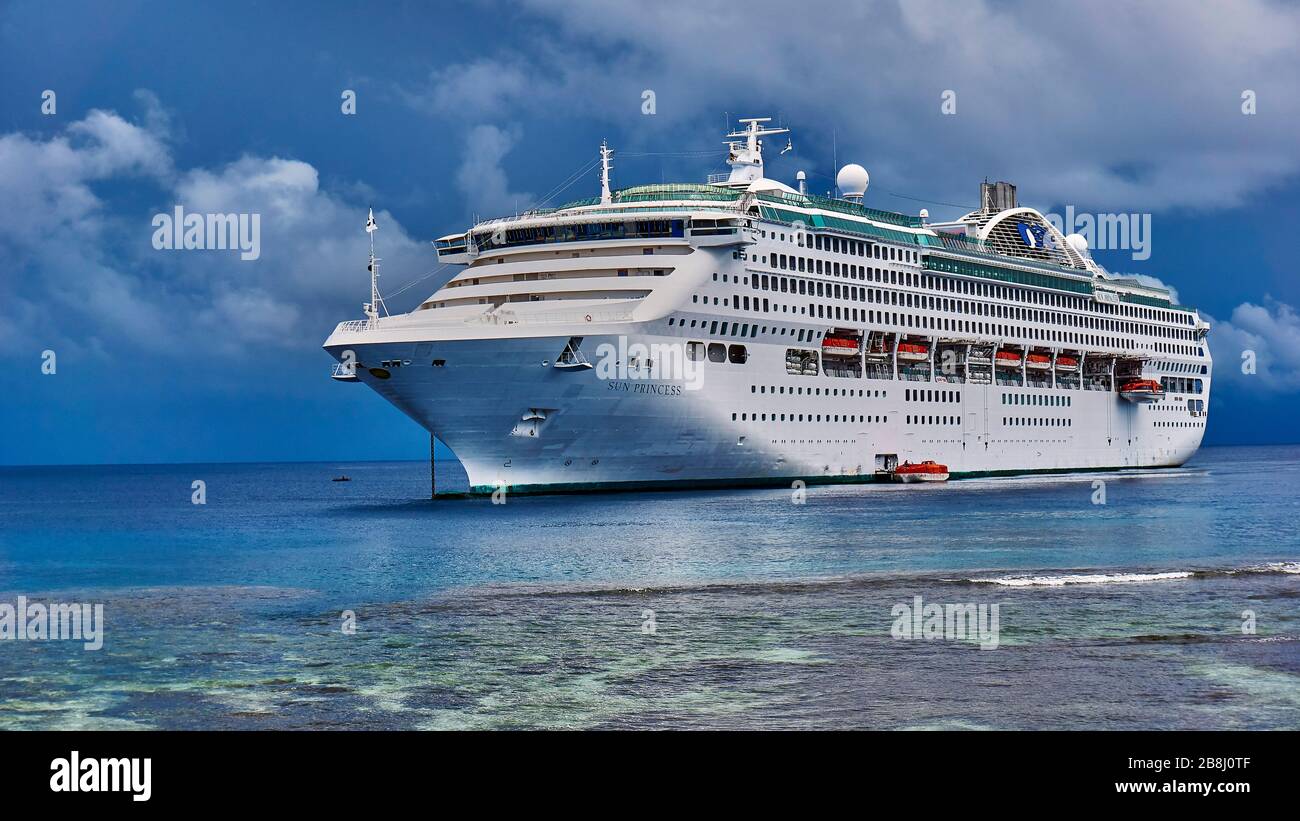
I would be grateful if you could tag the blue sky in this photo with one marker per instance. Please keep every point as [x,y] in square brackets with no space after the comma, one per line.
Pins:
[479,108]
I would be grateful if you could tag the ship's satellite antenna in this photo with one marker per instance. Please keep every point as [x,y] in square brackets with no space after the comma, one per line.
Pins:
[605,156]
[852,182]
[789,145]
[376,302]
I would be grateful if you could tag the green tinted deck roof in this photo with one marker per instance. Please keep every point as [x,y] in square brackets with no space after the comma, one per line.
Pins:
[702,191]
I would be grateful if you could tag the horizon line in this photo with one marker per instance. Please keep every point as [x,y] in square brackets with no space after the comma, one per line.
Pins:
[425,461]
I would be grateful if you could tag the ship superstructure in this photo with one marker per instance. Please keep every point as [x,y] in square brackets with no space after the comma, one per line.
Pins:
[742,331]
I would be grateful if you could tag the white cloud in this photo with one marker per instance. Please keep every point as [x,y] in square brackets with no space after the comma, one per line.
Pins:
[45,185]
[1272,333]
[475,89]
[90,279]
[1110,106]
[482,179]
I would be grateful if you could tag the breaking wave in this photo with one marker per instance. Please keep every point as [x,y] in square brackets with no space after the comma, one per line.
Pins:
[1064,579]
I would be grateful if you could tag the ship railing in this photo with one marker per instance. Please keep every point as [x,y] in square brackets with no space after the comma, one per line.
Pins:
[582,316]
[355,326]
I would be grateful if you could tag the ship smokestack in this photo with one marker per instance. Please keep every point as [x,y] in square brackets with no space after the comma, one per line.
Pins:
[997,196]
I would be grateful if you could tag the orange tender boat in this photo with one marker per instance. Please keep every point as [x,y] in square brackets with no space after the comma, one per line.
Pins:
[927,471]
[1142,390]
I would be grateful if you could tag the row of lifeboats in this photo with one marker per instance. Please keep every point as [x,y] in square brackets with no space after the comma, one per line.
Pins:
[877,348]
[1036,361]
[920,352]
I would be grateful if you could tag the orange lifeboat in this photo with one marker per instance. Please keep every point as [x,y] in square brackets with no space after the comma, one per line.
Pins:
[1142,390]
[913,352]
[1038,361]
[840,346]
[927,471]
[1007,359]
[1067,363]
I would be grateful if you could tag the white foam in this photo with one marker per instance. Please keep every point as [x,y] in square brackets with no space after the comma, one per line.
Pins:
[1273,567]
[1094,578]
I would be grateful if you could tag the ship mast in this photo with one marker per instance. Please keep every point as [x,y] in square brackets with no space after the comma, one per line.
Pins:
[746,158]
[376,302]
[605,156]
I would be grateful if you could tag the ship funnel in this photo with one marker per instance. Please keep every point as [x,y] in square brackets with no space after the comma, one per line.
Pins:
[997,196]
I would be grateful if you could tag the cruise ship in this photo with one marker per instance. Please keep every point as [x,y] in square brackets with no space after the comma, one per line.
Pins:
[742,331]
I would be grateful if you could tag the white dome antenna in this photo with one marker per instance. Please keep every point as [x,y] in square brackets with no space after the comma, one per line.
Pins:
[1079,243]
[803,182]
[852,182]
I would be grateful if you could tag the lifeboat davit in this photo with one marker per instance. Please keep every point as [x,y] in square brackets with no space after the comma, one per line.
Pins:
[913,352]
[1008,359]
[927,471]
[1142,390]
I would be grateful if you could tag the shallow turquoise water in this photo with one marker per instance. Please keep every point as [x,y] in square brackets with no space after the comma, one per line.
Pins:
[766,613]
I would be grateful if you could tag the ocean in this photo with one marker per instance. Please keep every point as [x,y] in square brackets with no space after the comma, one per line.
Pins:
[290,601]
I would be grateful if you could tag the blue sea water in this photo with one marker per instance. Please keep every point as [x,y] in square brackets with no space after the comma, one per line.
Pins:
[706,609]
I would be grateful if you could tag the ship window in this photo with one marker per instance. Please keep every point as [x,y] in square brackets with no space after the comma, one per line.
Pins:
[737,355]
[695,351]
[717,352]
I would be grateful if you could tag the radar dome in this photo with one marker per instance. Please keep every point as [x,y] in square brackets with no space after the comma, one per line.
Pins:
[852,180]
[925,213]
[1078,243]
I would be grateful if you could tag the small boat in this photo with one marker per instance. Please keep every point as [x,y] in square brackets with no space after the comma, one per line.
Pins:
[927,471]
[1038,361]
[1008,359]
[1067,363]
[1142,390]
[912,352]
[341,479]
[840,346]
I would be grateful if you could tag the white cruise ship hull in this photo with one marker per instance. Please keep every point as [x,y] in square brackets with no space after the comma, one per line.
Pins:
[607,434]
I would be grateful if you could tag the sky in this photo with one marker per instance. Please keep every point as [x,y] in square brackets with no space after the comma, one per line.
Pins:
[1186,115]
